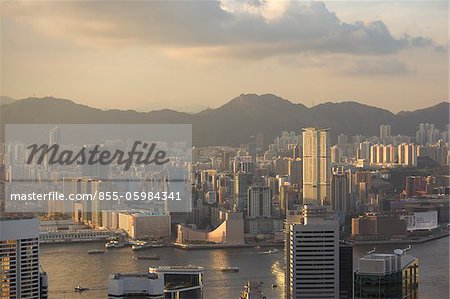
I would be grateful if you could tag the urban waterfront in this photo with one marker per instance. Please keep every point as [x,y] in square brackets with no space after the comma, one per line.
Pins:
[68,265]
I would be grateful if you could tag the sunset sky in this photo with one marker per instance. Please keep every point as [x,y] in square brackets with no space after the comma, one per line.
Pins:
[187,55]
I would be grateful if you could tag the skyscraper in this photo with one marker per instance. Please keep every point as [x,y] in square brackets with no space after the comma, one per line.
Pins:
[312,255]
[242,181]
[316,166]
[259,202]
[385,132]
[340,193]
[19,256]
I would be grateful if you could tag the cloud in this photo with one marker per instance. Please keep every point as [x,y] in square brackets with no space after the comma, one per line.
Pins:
[378,67]
[238,29]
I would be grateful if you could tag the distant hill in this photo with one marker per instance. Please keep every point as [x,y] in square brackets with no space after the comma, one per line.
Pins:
[235,121]
[6,100]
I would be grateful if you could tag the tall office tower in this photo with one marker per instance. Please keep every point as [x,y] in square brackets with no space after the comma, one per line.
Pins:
[342,139]
[19,256]
[259,202]
[345,271]
[297,151]
[385,131]
[387,276]
[340,194]
[259,141]
[281,166]
[363,151]
[312,255]
[243,164]
[54,135]
[289,197]
[335,154]
[242,181]
[295,171]
[407,154]
[252,148]
[316,166]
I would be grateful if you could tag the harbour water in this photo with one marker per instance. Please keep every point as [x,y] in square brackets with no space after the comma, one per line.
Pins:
[69,265]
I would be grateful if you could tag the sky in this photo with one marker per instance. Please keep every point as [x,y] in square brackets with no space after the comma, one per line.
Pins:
[189,55]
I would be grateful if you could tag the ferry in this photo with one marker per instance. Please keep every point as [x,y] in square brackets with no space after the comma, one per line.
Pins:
[230,269]
[143,245]
[114,244]
[96,251]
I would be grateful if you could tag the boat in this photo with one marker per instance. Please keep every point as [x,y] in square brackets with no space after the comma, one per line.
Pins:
[79,289]
[114,244]
[273,251]
[258,247]
[230,269]
[143,245]
[147,257]
[274,285]
[96,251]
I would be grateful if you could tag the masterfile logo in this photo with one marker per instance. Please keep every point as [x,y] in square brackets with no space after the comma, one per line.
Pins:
[53,155]
[93,167]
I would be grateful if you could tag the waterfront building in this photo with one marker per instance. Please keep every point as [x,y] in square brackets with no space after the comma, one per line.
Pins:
[132,285]
[316,166]
[142,224]
[181,282]
[312,255]
[387,276]
[20,275]
[229,232]
[378,227]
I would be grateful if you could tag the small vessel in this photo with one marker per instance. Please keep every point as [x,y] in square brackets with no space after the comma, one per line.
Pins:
[147,257]
[79,289]
[114,244]
[230,269]
[273,251]
[258,247]
[137,247]
[274,286]
[143,245]
[96,251]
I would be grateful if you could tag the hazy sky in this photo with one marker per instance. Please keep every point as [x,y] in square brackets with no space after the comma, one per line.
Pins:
[187,54]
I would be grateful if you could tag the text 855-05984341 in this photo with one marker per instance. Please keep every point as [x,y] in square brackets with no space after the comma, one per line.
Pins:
[159,196]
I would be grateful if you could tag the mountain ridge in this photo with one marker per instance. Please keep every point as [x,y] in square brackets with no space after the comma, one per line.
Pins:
[233,122]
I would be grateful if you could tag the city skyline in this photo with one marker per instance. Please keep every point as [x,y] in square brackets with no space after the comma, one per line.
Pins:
[214,50]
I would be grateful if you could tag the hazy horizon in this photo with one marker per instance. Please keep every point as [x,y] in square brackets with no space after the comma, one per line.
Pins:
[199,54]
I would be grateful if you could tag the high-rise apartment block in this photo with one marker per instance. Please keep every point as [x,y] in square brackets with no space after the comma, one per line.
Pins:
[316,166]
